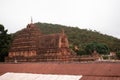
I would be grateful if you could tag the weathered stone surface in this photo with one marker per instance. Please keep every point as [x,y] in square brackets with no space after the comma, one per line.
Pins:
[30,44]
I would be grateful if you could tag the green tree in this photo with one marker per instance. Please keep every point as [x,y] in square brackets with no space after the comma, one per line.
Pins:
[82,37]
[118,55]
[5,40]
[99,47]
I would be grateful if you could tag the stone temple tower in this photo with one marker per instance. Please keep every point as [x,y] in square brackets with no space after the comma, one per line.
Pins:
[30,45]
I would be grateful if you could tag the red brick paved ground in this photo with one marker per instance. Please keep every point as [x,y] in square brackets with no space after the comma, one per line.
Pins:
[87,69]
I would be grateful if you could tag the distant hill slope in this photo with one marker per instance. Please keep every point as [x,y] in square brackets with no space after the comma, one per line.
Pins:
[81,37]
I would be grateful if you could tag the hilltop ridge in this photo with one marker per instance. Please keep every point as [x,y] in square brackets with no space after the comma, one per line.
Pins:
[81,37]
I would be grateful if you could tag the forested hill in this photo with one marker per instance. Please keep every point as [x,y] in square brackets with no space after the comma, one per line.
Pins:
[80,37]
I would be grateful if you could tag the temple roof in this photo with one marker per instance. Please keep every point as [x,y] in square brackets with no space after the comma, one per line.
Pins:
[26,39]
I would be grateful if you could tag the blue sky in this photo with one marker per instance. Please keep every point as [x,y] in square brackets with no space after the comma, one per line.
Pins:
[100,15]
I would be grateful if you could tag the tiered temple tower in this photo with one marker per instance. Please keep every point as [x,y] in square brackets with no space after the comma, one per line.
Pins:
[30,45]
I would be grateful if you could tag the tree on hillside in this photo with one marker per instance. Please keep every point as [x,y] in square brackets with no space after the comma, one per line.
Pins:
[5,40]
[81,37]
[99,47]
[118,55]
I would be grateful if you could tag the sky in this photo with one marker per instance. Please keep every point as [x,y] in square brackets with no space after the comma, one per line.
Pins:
[100,15]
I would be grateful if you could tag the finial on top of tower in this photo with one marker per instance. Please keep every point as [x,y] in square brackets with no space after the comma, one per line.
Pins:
[31,24]
[63,31]
[31,20]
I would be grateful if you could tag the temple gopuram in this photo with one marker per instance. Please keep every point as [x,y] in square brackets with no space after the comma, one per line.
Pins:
[30,45]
